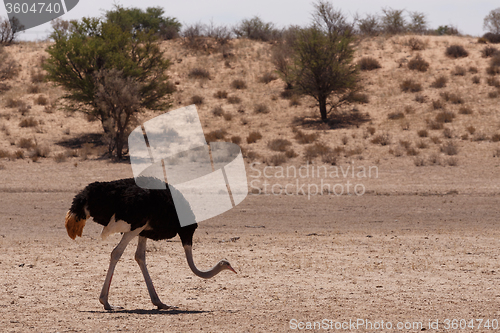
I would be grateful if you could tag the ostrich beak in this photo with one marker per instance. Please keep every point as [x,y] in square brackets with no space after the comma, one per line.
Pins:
[232,269]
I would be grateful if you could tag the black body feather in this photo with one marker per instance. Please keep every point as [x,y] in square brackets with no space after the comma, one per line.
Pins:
[134,205]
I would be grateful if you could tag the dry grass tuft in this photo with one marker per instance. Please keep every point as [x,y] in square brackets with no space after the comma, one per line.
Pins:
[28,122]
[239,84]
[488,51]
[279,145]
[215,135]
[234,100]
[445,116]
[368,64]
[199,73]
[221,94]
[41,100]
[304,138]
[261,109]
[60,157]
[277,159]
[423,133]
[254,137]
[451,97]
[449,149]
[197,99]
[459,71]
[456,51]
[465,110]
[476,79]
[218,111]
[382,139]
[416,44]
[409,85]
[268,77]
[315,150]
[440,82]
[34,89]
[396,115]
[236,139]
[418,64]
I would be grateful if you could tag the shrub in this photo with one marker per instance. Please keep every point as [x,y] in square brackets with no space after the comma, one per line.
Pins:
[13,103]
[197,99]
[215,135]
[19,154]
[440,82]
[495,138]
[445,116]
[436,140]
[4,153]
[227,116]
[410,86]
[471,129]
[236,139]
[368,64]
[411,151]
[277,159]
[435,125]
[456,51]
[261,109]
[254,137]
[41,100]
[218,111]
[37,76]
[28,122]
[459,71]
[488,51]
[476,79]
[465,110]
[256,29]
[382,139]
[238,84]
[279,144]
[493,94]
[290,153]
[421,144]
[40,151]
[493,82]
[473,69]
[315,150]
[416,44]
[371,130]
[233,100]
[295,100]
[447,133]
[396,115]
[420,98]
[26,143]
[287,94]
[418,64]
[199,73]
[304,138]
[8,67]
[34,89]
[452,161]
[220,94]
[4,87]
[423,133]
[453,98]
[358,97]
[449,149]
[492,37]
[268,77]
[60,157]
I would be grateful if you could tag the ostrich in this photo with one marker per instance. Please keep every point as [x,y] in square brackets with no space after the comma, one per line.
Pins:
[122,206]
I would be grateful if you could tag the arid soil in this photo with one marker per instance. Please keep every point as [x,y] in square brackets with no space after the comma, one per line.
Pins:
[401,257]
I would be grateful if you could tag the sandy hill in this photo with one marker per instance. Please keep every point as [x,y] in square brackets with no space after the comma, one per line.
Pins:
[446,138]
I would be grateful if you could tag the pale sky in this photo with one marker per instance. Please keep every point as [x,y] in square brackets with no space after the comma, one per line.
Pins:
[467,16]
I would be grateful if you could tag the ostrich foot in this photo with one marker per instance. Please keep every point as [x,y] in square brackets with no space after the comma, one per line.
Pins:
[162,306]
[110,307]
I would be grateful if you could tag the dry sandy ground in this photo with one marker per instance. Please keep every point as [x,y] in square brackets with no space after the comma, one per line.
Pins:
[410,257]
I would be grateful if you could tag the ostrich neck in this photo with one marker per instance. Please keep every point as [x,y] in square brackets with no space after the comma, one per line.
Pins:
[203,274]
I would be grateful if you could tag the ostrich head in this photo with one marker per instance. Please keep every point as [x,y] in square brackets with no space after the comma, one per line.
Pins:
[224,264]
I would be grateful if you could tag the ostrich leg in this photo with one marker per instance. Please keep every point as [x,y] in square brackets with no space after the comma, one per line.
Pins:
[115,256]
[140,257]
